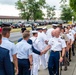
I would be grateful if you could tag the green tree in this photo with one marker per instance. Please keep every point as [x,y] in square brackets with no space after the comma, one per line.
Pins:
[31,9]
[73,5]
[66,13]
[50,11]
[63,1]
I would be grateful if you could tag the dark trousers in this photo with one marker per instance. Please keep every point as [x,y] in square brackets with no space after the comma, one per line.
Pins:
[73,49]
[69,54]
[53,64]
[23,65]
[13,68]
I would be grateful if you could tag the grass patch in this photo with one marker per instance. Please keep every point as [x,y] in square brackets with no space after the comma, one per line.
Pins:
[28,28]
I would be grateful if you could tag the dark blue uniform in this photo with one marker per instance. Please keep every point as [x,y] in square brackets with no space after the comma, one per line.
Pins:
[5,63]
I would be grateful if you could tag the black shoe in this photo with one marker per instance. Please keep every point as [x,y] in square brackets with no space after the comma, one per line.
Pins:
[70,60]
[65,69]
[73,54]
[68,63]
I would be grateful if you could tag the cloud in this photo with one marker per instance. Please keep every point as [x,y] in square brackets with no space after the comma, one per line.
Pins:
[8,10]
[9,2]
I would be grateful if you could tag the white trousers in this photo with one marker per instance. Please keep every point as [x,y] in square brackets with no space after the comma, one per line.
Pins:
[47,56]
[35,64]
[43,61]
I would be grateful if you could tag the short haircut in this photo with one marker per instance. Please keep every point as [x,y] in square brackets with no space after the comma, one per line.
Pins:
[27,31]
[35,33]
[0,36]
[6,30]
[26,35]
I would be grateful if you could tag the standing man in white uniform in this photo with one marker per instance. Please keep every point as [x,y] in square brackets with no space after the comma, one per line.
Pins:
[11,47]
[43,41]
[57,44]
[49,31]
[35,56]
[45,35]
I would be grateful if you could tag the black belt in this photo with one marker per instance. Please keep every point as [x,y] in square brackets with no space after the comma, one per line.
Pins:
[55,51]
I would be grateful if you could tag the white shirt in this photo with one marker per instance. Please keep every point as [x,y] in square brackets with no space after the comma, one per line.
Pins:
[10,46]
[71,36]
[42,38]
[72,31]
[49,33]
[23,50]
[57,44]
[36,43]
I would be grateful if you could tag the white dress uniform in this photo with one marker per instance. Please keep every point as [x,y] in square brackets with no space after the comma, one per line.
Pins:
[72,31]
[47,53]
[49,31]
[57,44]
[10,46]
[71,36]
[37,45]
[42,40]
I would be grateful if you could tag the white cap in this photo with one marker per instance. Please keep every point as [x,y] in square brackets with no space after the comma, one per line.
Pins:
[54,25]
[44,28]
[34,31]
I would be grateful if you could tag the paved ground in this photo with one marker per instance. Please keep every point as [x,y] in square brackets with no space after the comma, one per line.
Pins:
[71,69]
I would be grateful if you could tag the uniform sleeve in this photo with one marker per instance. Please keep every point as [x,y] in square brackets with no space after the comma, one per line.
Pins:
[50,43]
[73,32]
[63,44]
[35,51]
[30,51]
[8,64]
[14,49]
[72,37]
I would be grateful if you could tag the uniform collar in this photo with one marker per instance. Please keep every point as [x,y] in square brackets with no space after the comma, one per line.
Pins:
[24,40]
[4,38]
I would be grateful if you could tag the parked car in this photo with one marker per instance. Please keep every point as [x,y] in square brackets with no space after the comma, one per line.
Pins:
[15,26]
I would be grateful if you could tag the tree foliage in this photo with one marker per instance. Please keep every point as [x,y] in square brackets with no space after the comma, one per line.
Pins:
[73,5]
[66,13]
[30,9]
[50,11]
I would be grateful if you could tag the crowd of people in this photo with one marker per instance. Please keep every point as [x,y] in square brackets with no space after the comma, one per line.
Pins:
[46,47]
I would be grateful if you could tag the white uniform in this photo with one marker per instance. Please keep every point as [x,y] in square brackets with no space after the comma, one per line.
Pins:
[37,45]
[49,31]
[10,46]
[47,53]
[72,31]
[57,44]
[71,36]
[42,38]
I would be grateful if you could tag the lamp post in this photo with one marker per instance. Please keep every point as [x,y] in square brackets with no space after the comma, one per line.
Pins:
[72,19]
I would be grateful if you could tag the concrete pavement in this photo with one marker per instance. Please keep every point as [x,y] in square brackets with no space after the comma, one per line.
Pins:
[71,69]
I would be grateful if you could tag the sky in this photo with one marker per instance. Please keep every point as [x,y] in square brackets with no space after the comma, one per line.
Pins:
[7,7]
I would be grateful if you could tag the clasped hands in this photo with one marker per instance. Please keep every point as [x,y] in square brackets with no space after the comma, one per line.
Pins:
[45,50]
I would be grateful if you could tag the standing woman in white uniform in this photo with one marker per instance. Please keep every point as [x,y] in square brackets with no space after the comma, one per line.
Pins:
[24,55]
